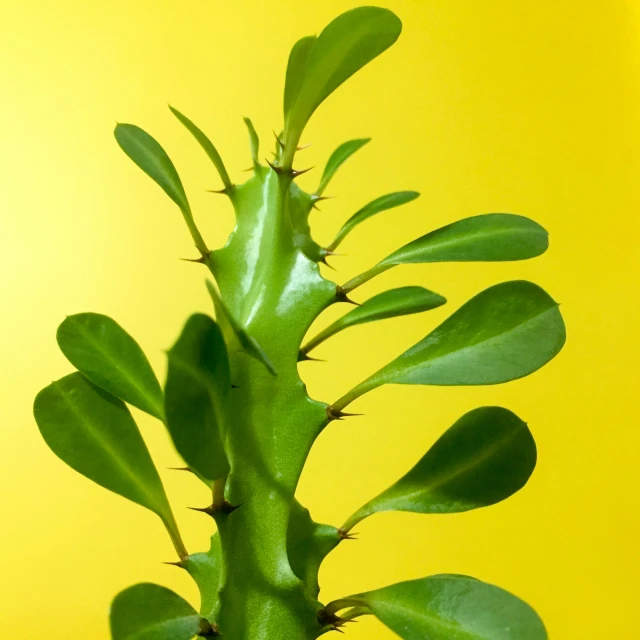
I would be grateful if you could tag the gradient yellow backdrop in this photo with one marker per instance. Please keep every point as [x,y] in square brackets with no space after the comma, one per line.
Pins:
[500,105]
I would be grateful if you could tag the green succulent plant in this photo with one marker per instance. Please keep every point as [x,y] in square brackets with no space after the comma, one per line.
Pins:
[240,417]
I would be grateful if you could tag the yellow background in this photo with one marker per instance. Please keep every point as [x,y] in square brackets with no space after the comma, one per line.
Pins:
[500,105]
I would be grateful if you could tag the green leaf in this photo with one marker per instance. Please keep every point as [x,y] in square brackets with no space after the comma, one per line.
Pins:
[492,237]
[505,332]
[206,144]
[484,458]
[243,338]
[198,381]
[389,304]
[453,607]
[296,69]
[105,353]
[147,153]
[153,160]
[346,45]
[94,433]
[150,612]
[378,205]
[254,142]
[206,571]
[337,159]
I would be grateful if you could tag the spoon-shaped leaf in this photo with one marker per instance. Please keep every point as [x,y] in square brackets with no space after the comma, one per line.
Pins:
[337,159]
[150,612]
[105,353]
[296,69]
[485,457]
[198,380]
[346,45]
[254,142]
[206,571]
[505,332]
[389,304]
[378,205]
[492,237]
[448,607]
[206,144]
[245,341]
[147,153]
[94,433]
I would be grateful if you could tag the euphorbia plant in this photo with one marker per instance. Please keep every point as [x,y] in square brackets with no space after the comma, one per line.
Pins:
[240,417]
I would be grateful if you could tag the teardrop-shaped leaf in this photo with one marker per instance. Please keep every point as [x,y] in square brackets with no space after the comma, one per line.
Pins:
[485,457]
[378,205]
[245,341]
[206,571]
[296,69]
[337,159]
[105,353]
[346,45]
[206,144]
[389,304]
[150,612]
[147,153]
[254,142]
[444,607]
[94,433]
[505,332]
[492,237]
[198,381]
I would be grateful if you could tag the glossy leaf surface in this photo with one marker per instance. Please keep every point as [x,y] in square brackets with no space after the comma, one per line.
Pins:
[243,338]
[94,433]
[150,612]
[337,159]
[383,203]
[147,153]
[206,144]
[296,69]
[452,607]
[389,304]
[489,237]
[198,381]
[485,457]
[346,45]
[206,570]
[505,332]
[105,353]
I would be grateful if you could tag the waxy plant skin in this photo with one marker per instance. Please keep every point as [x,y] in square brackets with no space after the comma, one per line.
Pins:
[240,417]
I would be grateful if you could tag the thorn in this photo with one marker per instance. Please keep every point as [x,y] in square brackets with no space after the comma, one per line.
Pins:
[180,564]
[180,469]
[200,260]
[304,146]
[280,143]
[339,415]
[247,170]
[211,510]
[346,535]
[333,253]
[295,173]
[316,198]
[225,192]
[324,262]
[278,170]
[234,386]
[303,357]
[341,296]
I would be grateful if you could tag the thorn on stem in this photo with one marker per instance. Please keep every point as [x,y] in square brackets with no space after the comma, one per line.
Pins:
[200,260]
[180,469]
[339,415]
[303,357]
[207,630]
[180,564]
[213,510]
[346,535]
[341,296]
